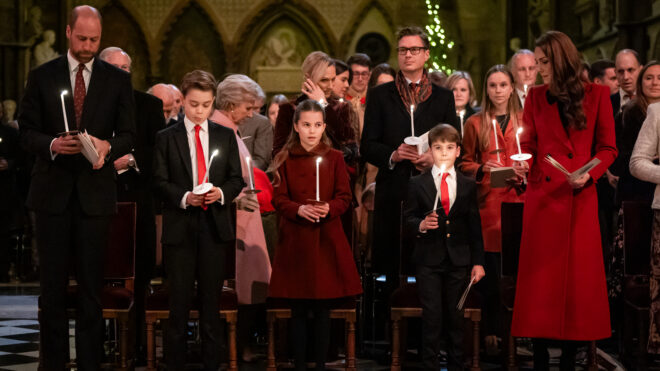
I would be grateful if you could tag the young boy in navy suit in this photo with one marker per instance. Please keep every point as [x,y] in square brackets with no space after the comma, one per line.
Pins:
[448,250]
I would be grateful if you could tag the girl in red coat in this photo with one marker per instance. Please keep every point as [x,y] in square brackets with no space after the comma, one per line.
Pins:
[502,105]
[313,260]
[561,292]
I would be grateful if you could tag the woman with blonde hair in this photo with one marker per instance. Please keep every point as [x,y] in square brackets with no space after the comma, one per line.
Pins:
[460,83]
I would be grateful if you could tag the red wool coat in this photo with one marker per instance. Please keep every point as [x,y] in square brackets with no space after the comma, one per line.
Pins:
[561,291]
[313,260]
[490,199]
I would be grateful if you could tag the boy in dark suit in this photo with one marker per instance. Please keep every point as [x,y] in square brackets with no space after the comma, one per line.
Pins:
[197,228]
[448,242]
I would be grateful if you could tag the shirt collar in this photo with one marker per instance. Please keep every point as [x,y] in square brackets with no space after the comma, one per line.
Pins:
[408,81]
[623,94]
[73,63]
[190,126]
[435,171]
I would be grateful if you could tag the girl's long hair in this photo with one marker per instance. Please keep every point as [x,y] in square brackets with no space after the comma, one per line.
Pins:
[566,84]
[512,108]
[308,105]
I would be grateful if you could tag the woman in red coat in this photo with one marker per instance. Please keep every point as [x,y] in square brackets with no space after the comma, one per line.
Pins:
[502,106]
[313,260]
[561,292]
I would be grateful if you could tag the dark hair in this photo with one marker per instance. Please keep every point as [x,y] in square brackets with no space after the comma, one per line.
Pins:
[341,67]
[381,69]
[75,13]
[566,84]
[308,105]
[440,78]
[599,67]
[200,80]
[413,31]
[360,59]
[444,133]
[641,100]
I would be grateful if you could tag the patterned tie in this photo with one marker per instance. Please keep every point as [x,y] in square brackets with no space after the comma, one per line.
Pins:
[414,88]
[201,162]
[79,94]
[444,193]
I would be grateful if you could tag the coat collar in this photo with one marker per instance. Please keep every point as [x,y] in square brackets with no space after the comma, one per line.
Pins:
[320,150]
[428,186]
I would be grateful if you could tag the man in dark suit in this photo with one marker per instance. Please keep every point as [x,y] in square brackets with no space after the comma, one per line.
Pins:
[386,124]
[448,246]
[134,174]
[73,199]
[197,228]
[627,67]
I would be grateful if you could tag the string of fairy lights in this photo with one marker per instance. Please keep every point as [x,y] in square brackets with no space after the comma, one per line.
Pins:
[441,46]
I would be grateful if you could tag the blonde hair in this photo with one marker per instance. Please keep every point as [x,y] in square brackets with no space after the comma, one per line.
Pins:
[512,107]
[457,76]
[315,64]
[237,89]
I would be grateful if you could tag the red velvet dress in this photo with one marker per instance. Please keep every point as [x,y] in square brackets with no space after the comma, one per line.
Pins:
[490,199]
[561,291]
[313,260]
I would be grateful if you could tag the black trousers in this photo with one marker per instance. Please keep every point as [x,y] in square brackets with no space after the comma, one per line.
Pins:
[489,287]
[542,357]
[75,237]
[320,311]
[440,289]
[201,256]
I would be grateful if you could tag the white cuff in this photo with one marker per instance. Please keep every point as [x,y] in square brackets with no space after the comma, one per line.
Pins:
[182,204]
[391,164]
[422,230]
[50,148]
[222,197]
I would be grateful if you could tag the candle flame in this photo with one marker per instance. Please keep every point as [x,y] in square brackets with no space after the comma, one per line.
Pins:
[519,131]
[412,107]
[443,168]
[64,92]
[215,153]
[318,159]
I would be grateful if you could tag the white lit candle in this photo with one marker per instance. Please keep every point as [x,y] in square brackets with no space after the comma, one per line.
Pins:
[66,121]
[412,119]
[525,89]
[518,140]
[497,147]
[461,115]
[248,160]
[437,194]
[318,193]
[208,167]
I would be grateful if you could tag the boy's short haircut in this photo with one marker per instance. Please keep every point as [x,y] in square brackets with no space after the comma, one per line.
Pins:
[200,80]
[444,133]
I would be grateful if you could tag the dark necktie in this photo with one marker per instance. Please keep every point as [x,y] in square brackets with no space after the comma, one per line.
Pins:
[79,94]
[414,88]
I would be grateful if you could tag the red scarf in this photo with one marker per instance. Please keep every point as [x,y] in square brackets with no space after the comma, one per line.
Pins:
[409,95]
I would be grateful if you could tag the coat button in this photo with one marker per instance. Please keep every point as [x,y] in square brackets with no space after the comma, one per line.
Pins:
[570,155]
[547,178]
[447,222]
[448,235]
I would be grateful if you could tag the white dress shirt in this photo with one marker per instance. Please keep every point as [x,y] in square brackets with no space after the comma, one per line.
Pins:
[192,145]
[451,184]
[521,96]
[73,70]
[624,98]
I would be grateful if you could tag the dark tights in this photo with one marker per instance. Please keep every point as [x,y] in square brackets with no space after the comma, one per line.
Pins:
[300,310]
[542,358]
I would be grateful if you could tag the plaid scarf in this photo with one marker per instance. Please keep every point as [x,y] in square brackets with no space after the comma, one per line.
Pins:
[413,93]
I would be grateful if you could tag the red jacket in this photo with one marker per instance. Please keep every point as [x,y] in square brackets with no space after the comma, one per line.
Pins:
[490,199]
[313,260]
[561,291]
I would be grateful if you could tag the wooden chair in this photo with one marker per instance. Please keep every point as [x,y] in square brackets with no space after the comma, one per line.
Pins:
[119,275]
[637,230]
[345,309]
[405,304]
[157,308]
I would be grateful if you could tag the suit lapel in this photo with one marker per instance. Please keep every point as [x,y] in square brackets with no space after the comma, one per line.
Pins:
[214,140]
[94,93]
[63,82]
[431,192]
[181,138]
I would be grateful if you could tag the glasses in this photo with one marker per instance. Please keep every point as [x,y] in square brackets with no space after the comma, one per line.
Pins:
[363,75]
[415,50]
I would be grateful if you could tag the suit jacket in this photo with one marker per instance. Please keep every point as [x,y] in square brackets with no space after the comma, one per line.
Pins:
[616,102]
[386,125]
[108,113]
[173,178]
[148,121]
[458,236]
[258,134]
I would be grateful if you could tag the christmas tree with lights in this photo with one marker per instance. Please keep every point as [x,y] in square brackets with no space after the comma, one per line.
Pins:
[441,46]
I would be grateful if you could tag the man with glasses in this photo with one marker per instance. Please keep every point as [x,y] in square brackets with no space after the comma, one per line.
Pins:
[360,66]
[387,123]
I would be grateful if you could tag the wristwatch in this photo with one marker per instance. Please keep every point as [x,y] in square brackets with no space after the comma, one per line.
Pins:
[323,102]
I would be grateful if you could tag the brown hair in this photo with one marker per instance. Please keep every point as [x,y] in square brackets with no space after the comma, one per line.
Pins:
[360,59]
[455,77]
[200,80]
[512,108]
[566,83]
[444,133]
[308,105]
[641,100]
[85,11]
[381,69]
[413,31]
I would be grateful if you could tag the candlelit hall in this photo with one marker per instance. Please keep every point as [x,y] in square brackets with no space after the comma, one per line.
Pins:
[330,185]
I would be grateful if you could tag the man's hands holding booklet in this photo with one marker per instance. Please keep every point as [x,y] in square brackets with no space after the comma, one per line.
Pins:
[95,149]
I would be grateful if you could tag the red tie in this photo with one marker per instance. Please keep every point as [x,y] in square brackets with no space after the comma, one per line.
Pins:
[79,94]
[201,162]
[444,193]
